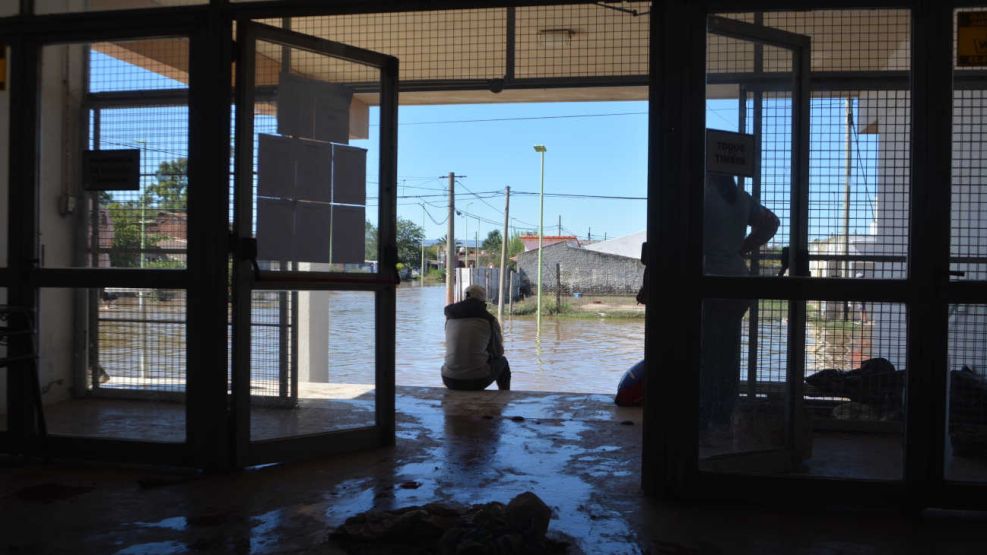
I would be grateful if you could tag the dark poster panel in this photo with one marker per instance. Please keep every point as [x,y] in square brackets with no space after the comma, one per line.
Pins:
[348,241]
[314,109]
[349,175]
[294,169]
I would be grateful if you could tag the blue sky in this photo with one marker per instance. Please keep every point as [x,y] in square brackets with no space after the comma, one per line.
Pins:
[594,148]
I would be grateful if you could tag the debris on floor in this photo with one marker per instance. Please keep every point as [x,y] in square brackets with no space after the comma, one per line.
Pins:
[517,528]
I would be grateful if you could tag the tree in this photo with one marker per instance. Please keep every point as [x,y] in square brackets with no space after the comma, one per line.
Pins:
[516,246]
[410,237]
[170,192]
[492,243]
[125,249]
[370,240]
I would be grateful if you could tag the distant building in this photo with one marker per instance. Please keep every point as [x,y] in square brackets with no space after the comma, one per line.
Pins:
[628,246]
[581,270]
[531,241]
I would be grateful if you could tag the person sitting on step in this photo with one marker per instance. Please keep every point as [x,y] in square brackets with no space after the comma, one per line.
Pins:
[474,345]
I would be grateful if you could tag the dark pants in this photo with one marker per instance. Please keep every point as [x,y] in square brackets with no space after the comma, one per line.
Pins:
[500,372]
[719,377]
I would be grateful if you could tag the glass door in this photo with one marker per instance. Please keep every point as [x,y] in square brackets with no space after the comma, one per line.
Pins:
[751,413]
[313,315]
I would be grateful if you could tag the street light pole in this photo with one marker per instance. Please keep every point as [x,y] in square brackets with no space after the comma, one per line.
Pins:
[421,267]
[541,234]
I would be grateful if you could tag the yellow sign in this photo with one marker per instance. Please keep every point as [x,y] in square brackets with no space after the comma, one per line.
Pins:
[971,39]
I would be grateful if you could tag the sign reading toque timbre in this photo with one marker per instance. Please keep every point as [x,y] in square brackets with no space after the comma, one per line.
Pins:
[730,153]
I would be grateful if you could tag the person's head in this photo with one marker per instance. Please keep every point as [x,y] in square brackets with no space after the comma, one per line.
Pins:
[724,185]
[476,293]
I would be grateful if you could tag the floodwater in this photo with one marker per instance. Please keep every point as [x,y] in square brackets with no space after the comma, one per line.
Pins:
[572,355]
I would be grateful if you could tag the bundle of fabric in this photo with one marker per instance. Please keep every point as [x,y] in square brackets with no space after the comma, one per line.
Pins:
[876,384]
[968,413]
[517,528]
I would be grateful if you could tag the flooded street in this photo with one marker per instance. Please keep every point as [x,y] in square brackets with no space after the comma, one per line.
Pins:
[574,355]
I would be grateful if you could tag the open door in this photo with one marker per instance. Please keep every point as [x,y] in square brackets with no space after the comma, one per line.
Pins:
[752,418]
[313,321]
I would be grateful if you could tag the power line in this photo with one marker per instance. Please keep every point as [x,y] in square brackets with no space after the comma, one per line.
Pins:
[524,118]
[575,195]
[434,221]
[494,208]
[489,194]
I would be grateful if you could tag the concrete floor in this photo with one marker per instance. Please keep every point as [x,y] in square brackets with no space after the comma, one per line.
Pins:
[579,453]
[321,408]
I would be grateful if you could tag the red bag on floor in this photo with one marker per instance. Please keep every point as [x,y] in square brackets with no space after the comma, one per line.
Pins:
[630,391]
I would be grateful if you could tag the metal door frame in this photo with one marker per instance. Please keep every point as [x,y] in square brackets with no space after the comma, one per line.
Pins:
[245,280]
[203,445]
[800,48]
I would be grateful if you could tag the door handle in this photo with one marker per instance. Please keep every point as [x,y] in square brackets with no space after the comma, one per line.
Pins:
[245,248]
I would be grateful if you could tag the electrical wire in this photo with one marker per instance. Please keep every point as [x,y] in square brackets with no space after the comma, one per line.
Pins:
[481,199]
[523,118]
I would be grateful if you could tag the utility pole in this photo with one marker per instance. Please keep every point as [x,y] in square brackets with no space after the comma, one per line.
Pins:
[503,256]
[846,198]
[560,225]
[451,243]
[589,233]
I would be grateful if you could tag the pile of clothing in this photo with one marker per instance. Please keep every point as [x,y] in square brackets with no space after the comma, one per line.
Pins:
[879,388]
[517,528]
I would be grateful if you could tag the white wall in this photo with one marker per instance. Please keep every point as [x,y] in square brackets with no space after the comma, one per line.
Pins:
[59,179]
[890,113]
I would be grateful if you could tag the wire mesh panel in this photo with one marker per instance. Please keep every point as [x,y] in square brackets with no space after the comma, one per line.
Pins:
[849,40]
[582,40]
[968,245]
[76,6]
[968,253]
[144,228]
[139,65]
[849,422]
[966,448]
[454,44]
[135,220]
[313,362]
[854,393]
[858,218]
[314,170]
[727,54]
[859,173]
[134,357]
[742,409]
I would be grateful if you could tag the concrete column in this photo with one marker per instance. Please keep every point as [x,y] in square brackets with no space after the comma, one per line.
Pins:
[61,135]
[313,334]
